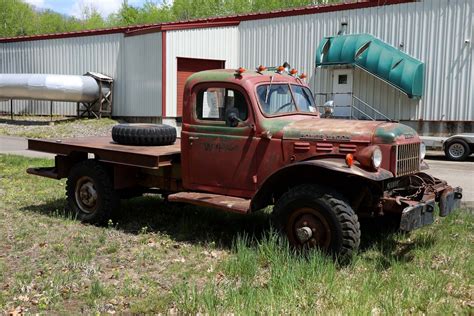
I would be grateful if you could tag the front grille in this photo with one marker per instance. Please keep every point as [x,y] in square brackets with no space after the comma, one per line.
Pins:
[408,159]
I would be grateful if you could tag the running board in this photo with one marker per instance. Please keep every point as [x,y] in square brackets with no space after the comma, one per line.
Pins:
[222,202]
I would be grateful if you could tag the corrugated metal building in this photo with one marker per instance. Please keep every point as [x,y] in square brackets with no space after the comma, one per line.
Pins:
[150,63]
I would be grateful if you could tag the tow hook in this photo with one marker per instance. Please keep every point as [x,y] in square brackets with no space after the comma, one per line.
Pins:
[304,234]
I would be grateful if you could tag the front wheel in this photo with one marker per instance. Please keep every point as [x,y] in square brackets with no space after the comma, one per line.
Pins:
[90,192]
[313,218]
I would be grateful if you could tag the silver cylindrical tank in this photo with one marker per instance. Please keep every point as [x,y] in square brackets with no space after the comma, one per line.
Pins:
[49,87]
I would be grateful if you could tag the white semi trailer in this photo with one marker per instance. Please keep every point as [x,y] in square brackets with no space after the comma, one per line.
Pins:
[457,147]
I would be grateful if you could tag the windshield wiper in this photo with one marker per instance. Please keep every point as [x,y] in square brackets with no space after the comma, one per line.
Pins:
[268,89]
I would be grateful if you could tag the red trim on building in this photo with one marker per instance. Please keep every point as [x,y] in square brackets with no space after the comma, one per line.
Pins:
[215,21]
[68,34]
[199,25]
[163,74]
[173,27]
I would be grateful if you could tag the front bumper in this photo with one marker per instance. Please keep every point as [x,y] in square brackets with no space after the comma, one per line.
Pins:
[418,215]
[422,213]
[418,211]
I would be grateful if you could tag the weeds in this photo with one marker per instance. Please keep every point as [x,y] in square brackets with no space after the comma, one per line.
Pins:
[158,257]
[75,128]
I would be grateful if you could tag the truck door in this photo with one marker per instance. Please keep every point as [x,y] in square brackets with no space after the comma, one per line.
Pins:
[216,157]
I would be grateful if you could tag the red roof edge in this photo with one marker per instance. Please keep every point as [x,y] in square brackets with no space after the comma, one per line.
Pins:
[66,35]
[173,27]
[212,22]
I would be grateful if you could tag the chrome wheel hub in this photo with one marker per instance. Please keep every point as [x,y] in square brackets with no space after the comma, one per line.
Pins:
[456,150]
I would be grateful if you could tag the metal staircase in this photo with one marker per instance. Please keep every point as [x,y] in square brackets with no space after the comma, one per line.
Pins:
[359,109]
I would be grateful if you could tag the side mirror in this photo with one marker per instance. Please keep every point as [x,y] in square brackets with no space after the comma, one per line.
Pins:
[329,104]
[328,108]
[232,117]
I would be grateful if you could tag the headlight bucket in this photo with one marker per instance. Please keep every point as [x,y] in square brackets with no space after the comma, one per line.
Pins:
[422,151]
[370,157]
[376,158]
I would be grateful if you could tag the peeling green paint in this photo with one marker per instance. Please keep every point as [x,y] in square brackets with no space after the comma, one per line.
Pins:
[211,75]
[226,75]
[389,132]
[275,125]
[220,131]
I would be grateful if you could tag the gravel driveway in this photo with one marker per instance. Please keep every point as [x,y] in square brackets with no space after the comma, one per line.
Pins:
[64,129]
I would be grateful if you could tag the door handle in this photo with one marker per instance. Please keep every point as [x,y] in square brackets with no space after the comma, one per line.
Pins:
[193,138]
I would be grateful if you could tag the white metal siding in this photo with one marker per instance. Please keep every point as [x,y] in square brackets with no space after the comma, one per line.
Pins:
[71,56]
[134,63]
[212,43]
[433,31]
[142,76]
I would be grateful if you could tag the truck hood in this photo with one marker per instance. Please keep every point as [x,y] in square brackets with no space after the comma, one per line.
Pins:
[348,130]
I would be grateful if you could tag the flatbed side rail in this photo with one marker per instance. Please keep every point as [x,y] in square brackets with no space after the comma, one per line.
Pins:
[105,150]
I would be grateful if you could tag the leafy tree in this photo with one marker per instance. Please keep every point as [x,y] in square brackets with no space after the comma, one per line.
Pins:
[191,9]
[127,15]
[153,13]
[49,22]
[19,18]
[91,18]
[16,18]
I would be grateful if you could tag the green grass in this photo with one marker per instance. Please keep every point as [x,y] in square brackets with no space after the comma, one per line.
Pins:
[158,257]
[75,128]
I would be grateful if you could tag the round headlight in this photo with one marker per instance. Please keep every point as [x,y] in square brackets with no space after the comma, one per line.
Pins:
[376,158]
[422,151]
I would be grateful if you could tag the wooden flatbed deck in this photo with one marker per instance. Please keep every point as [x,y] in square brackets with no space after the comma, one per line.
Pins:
[104,149]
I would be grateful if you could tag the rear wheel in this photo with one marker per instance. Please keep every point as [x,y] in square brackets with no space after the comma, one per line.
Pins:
[457,150]
[90,192]
[312,218]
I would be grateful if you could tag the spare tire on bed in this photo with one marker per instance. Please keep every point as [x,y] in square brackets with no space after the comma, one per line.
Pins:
[144,134]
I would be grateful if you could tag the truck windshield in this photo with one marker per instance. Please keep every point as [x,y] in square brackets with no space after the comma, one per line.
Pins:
[278,98]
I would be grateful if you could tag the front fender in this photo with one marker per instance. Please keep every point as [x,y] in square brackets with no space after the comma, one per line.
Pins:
[340,165]
[311,170]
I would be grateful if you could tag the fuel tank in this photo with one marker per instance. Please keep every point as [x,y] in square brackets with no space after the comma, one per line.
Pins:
[49,87]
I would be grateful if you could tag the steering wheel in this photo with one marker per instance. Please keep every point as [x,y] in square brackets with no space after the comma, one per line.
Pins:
[283,106]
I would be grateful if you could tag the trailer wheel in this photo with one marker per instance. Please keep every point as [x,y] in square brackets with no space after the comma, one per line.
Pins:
[90,192]
[313,218]
[144,134]
[457,150]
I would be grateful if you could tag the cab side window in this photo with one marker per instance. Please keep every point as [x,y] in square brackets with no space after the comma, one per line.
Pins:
[212,104]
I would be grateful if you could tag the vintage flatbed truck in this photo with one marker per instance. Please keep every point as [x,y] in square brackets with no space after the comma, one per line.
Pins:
[251,139]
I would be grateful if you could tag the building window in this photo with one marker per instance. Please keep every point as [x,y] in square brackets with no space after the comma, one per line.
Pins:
[342,79]
[212,104]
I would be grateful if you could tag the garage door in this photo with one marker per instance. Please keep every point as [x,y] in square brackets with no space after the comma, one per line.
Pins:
[188,66]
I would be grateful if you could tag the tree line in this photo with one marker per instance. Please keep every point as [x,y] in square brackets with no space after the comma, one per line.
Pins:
[18,18]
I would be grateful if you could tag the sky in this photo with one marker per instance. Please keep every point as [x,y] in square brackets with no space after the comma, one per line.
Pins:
[74,7]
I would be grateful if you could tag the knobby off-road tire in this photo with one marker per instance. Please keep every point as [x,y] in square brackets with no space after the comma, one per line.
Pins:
[90,193]
[457,150]
[311,217]
[144,134]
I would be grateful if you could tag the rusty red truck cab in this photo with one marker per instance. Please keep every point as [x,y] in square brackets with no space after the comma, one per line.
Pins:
[251,139]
